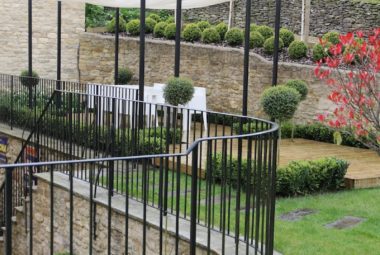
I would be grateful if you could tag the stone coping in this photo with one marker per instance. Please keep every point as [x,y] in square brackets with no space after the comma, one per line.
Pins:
[82,189]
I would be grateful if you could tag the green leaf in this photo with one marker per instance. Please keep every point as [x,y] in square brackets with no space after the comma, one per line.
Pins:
[337,138]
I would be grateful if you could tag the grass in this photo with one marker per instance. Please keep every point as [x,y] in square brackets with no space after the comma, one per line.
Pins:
[309,236]
[306,236]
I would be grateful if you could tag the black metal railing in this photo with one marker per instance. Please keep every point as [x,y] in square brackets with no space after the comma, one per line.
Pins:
[214,170]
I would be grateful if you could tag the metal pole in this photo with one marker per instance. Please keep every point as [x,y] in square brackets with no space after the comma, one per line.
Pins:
[142,63]
[117,15]
[30,38]
[276,42]
[59,52]
[178,38]
[142,50]
[8,210]
[246,56]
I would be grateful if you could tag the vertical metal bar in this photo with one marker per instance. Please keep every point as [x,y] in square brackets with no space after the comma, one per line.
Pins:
[142,62]
[178,197]
[246,56]
[276,42]
[109,241]
[11,113]
[178,38]
[59,52]
[30,53]
[71,172]
[145,201]
[51,210]
[8,210]
[30,210]
[117,17]
[193,213]
[273,191]
[91,177]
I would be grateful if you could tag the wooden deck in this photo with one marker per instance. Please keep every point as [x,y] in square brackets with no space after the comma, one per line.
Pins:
[363,172]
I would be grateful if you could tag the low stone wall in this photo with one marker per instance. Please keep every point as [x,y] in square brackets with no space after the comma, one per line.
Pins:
[326,15]
[81,224]
[219,69]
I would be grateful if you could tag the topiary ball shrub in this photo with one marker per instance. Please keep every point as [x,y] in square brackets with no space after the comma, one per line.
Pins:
[297,50]
[159,29]
[170,31]
[210,35]
[124,76]
[192,33]
[280,102]
[332,37]
[265,31]
[300,86]
[111,25]
[222,29]
[178,91]
[149,25]
[133,27]
[27,81]
[253,27]
[170,19]
[321,51]
[269,45]
[256,40]
[203,25]
[234,37]
[287,36]
[155,17]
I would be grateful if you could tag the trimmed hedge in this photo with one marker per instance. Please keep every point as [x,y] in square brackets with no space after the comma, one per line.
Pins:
[287,36]
[133,27]
[269,45]
[234,37]
[124,76]
[203,25]
[256,40]
[297,178]
[159,29]
[313,131]
[297,50]
[265,31]
[111,25]
[149,25]
[155,17]
[192,33]
[210,35]
[307,177]
[222,29]
[320,51]
[170,31]
[332,37]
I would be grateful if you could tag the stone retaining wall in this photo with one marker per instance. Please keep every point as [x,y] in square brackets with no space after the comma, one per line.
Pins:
[219,69]
[326,15]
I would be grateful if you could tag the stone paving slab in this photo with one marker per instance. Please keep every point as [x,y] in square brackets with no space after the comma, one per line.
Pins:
[297,214]
[345,222]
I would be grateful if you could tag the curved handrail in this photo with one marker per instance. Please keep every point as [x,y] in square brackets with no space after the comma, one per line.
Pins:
[274,128]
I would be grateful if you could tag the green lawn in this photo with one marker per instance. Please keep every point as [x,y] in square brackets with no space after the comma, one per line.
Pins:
[309,236]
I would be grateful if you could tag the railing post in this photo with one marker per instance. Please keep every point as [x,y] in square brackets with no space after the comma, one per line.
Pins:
[193,213]
[12,89]
[8,210]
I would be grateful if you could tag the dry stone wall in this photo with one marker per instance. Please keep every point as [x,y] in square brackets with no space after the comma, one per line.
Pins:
[219,69]
[14,37]
[326,15]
